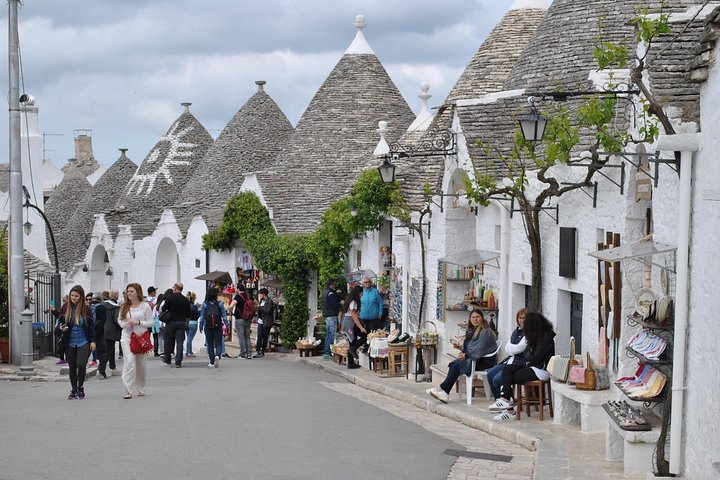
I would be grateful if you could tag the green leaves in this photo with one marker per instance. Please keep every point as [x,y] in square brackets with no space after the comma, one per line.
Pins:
[609,55]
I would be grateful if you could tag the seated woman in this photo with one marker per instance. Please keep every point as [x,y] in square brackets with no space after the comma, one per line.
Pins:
[479,341]
[540,339]
[514,349]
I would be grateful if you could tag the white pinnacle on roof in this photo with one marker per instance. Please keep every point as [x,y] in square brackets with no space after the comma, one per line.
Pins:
[527,4]
[359,45]
[424,118]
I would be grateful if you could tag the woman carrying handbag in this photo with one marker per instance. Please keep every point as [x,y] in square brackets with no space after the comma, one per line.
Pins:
[135,318]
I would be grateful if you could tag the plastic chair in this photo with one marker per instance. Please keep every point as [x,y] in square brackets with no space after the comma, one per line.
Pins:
[481,375]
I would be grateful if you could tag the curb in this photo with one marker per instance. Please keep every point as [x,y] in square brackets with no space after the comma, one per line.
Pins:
[494,428]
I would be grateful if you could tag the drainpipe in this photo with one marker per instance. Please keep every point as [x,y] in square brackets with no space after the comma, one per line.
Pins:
[504,299]
[686,143]
[406,285]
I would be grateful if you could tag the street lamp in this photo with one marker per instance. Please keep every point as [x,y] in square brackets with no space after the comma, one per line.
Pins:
[533,124]
[387,171]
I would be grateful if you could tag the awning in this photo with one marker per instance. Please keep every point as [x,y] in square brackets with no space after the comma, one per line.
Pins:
[358,275]
[468,258]
[635,251]
[216,276]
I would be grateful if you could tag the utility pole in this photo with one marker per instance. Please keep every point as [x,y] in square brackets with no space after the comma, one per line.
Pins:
[20,331]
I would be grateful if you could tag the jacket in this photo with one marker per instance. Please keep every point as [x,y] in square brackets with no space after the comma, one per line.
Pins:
[179,307]
[330,303]
[223,315]
[476,348]
[371,306]
[539,356]
[87,324]
[265,312]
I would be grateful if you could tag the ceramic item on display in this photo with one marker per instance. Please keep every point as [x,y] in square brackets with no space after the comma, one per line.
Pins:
[664,281]
[645,299]
[663,310]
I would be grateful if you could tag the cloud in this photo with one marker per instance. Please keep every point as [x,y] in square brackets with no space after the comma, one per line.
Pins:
[122,68]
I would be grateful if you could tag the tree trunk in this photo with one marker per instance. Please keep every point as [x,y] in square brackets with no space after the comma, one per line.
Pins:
[534,239]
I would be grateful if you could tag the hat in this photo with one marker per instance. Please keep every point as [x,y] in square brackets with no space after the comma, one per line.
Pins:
[151,289]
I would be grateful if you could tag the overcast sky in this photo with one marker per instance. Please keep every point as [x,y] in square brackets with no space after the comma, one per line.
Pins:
[121,68]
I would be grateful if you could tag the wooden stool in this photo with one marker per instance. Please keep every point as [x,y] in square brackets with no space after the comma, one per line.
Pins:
[377,364]
[340,358]
[535,392]
[307,352]
[398,356]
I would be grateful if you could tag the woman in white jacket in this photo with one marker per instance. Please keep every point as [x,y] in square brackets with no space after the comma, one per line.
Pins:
[135,316]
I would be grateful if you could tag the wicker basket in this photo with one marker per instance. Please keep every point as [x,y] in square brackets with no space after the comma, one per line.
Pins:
[427,337]
[589,383]
[303,345]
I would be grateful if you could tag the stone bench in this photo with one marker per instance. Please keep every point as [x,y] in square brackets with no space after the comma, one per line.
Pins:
[635,449]
[584,407]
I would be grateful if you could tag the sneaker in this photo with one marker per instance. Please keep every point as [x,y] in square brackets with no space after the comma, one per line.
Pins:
[73,394]
[102,376]
[60,362]
[217,362]
[440,394]
[327,357]
[257,355]
[506,415]
[157,354]
[225,355]
[210,365]
[93,363]
[500,405]
[81,393]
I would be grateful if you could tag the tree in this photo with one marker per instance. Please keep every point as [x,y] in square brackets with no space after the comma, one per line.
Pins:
[596,117]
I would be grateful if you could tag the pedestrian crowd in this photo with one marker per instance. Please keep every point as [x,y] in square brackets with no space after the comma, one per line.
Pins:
[89,327]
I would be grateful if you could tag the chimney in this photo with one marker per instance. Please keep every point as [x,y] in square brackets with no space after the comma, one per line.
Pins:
[83,146]
[260,84]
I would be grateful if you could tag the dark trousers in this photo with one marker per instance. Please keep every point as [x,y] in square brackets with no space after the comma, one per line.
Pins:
[513,374]
[155,340]
[263,333]
[359,340]
[455,370]
[174,338]
[77,358]
[109,355]
[101,351]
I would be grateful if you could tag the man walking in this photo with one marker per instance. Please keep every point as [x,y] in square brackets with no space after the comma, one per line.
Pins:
[112,330]
[101,347]
[330,304]
[179,307]
[265,322]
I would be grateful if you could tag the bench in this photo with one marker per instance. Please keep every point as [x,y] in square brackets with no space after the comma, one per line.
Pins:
[635,449]
[584,407]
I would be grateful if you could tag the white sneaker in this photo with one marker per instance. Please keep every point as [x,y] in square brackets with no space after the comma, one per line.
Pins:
[217,362]
[210,365]
[500,405]
[440,394]
[504,416]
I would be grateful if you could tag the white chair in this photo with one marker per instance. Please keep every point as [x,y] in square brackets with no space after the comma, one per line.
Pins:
[481,375]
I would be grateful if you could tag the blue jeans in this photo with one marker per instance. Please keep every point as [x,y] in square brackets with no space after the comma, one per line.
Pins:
[495,379]
[190,335]
[214,340]
[330,329]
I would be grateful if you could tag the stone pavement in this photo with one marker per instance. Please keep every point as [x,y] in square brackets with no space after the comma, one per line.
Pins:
[561,451]
[554,452]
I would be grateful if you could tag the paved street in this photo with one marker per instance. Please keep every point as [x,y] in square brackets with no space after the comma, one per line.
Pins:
[264,418]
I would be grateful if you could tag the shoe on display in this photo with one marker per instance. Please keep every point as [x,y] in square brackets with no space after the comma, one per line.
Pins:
[217,362]
[500,405]
[506,415]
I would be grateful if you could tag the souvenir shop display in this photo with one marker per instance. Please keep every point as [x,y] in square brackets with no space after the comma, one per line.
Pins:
[626,416]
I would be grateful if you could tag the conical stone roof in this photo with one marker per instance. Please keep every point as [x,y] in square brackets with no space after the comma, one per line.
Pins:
[162,176]
[334,140]
[250,142]
[486,73]
[71,195]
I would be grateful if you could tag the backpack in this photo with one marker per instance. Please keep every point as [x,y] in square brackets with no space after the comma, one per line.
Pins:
[248,311]
[213,318]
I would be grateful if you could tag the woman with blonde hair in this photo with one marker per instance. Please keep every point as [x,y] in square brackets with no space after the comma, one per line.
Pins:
[135,316]
[77,328]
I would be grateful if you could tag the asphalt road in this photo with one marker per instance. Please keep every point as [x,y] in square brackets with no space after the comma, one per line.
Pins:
[249,419]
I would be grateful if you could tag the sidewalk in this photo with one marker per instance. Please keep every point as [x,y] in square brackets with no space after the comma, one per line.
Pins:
[562,451]
[45,371]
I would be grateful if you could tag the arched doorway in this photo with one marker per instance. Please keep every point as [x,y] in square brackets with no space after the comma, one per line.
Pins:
[99,263]
[167,264]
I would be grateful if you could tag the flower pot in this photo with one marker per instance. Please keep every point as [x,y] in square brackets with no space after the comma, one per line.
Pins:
[5,350]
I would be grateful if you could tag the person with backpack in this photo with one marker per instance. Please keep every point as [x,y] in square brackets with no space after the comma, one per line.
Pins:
[212,318]
[243,307]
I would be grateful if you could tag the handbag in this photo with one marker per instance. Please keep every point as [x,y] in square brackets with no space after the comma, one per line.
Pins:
[164,316]
[140,343]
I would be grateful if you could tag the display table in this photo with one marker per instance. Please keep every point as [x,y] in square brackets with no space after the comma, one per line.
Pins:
[307,351]
[635,449]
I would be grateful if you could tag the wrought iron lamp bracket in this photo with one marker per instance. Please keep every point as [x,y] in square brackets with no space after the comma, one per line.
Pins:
[556,208]
[582,186]
[599,169]
[434,143]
